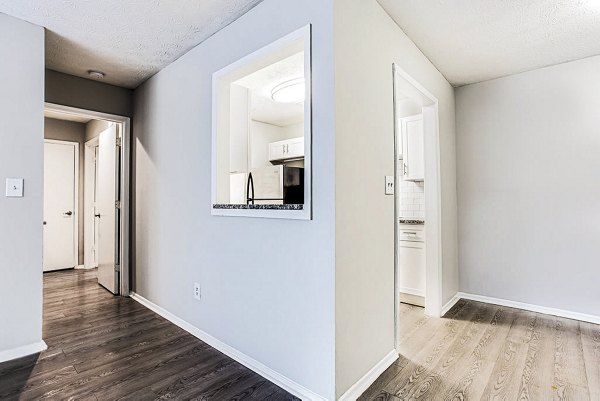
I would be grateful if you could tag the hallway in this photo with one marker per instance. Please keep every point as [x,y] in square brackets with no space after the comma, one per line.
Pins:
[102,347]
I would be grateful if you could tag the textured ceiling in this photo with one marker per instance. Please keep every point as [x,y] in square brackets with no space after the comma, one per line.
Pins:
[475,40]
[129,40]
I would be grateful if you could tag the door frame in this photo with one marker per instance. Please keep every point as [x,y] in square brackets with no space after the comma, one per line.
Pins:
[433,197]
[88,219]
[76,195]
[125,177]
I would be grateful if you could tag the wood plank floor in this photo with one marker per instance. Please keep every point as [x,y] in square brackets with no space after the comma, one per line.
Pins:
[102,347]
[486,352]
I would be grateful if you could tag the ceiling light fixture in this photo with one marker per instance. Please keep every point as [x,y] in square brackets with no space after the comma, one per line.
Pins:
[96,74]
[292,91]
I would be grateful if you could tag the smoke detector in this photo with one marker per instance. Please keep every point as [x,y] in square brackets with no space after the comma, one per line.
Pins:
[96,74]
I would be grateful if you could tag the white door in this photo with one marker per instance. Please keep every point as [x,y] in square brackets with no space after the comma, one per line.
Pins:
[96,213]
[59,248]
[106,196]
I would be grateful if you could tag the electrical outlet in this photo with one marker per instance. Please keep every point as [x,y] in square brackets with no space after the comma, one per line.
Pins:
[197,292]
[389,185]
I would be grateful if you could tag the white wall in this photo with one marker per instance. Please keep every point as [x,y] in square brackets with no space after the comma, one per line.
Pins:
[21,155]
[71,131]
[367,42]
[529,194]
[267,284]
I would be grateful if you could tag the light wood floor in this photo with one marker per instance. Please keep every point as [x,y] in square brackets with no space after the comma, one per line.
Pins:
[486,352]
[103,347]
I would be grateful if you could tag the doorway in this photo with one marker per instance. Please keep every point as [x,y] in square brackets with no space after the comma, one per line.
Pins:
[417,226]
[86,195]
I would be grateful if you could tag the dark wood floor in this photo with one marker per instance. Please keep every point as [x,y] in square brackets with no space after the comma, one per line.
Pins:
[486,352]
[102,347]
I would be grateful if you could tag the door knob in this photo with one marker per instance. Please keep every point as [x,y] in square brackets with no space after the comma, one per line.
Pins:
[97,215]
[69,213]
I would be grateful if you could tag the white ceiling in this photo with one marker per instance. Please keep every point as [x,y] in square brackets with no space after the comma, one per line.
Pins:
[260,83]
[129,40]
[475,40]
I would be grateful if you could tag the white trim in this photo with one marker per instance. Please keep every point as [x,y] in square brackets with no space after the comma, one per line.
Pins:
[125,123]
[235,71]
[412,291]
[280,380]
[369,378]
[450,304]
[20,352]
[533,308]
[76,193]
[89,186]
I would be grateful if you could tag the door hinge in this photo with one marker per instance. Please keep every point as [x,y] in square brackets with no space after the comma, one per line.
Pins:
[117,268]
[119,141]
[117,204]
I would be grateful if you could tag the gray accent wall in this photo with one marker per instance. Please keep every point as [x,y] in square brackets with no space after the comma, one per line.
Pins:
[21,156]
[73,132]
[267,284]
[529,187]
[68,90]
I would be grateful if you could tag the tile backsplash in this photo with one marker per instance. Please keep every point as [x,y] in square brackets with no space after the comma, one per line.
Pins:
[412,199]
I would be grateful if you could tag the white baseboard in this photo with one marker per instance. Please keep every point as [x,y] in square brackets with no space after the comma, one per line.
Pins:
[412,291]
[450,304]
[364,382]
[533,308]
[282,381]
[20,352]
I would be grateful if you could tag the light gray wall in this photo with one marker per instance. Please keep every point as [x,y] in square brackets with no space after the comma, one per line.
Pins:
[73,132]
[69,90]
[21,155]
[529,197]
[367,42]
[267,284]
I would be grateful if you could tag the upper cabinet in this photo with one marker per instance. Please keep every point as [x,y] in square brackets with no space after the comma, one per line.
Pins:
[413,156]
[289,149]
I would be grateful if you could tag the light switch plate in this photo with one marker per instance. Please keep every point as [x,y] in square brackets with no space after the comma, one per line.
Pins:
[14,187]
[389,185]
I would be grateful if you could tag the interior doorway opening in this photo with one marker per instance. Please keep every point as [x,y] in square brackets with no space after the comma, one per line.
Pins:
[86,194]
[417,199]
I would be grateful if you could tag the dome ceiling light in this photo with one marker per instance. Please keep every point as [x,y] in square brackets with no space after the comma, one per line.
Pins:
[292,91]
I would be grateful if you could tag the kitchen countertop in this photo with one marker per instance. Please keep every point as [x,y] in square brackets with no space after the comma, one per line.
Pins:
[402,220]
[259,207]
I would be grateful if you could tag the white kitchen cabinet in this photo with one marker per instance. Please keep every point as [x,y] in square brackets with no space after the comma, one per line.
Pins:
[411,264]
[289,149]
[413,155]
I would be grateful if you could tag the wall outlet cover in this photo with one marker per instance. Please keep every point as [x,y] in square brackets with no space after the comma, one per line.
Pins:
[14,187]
[197,293]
